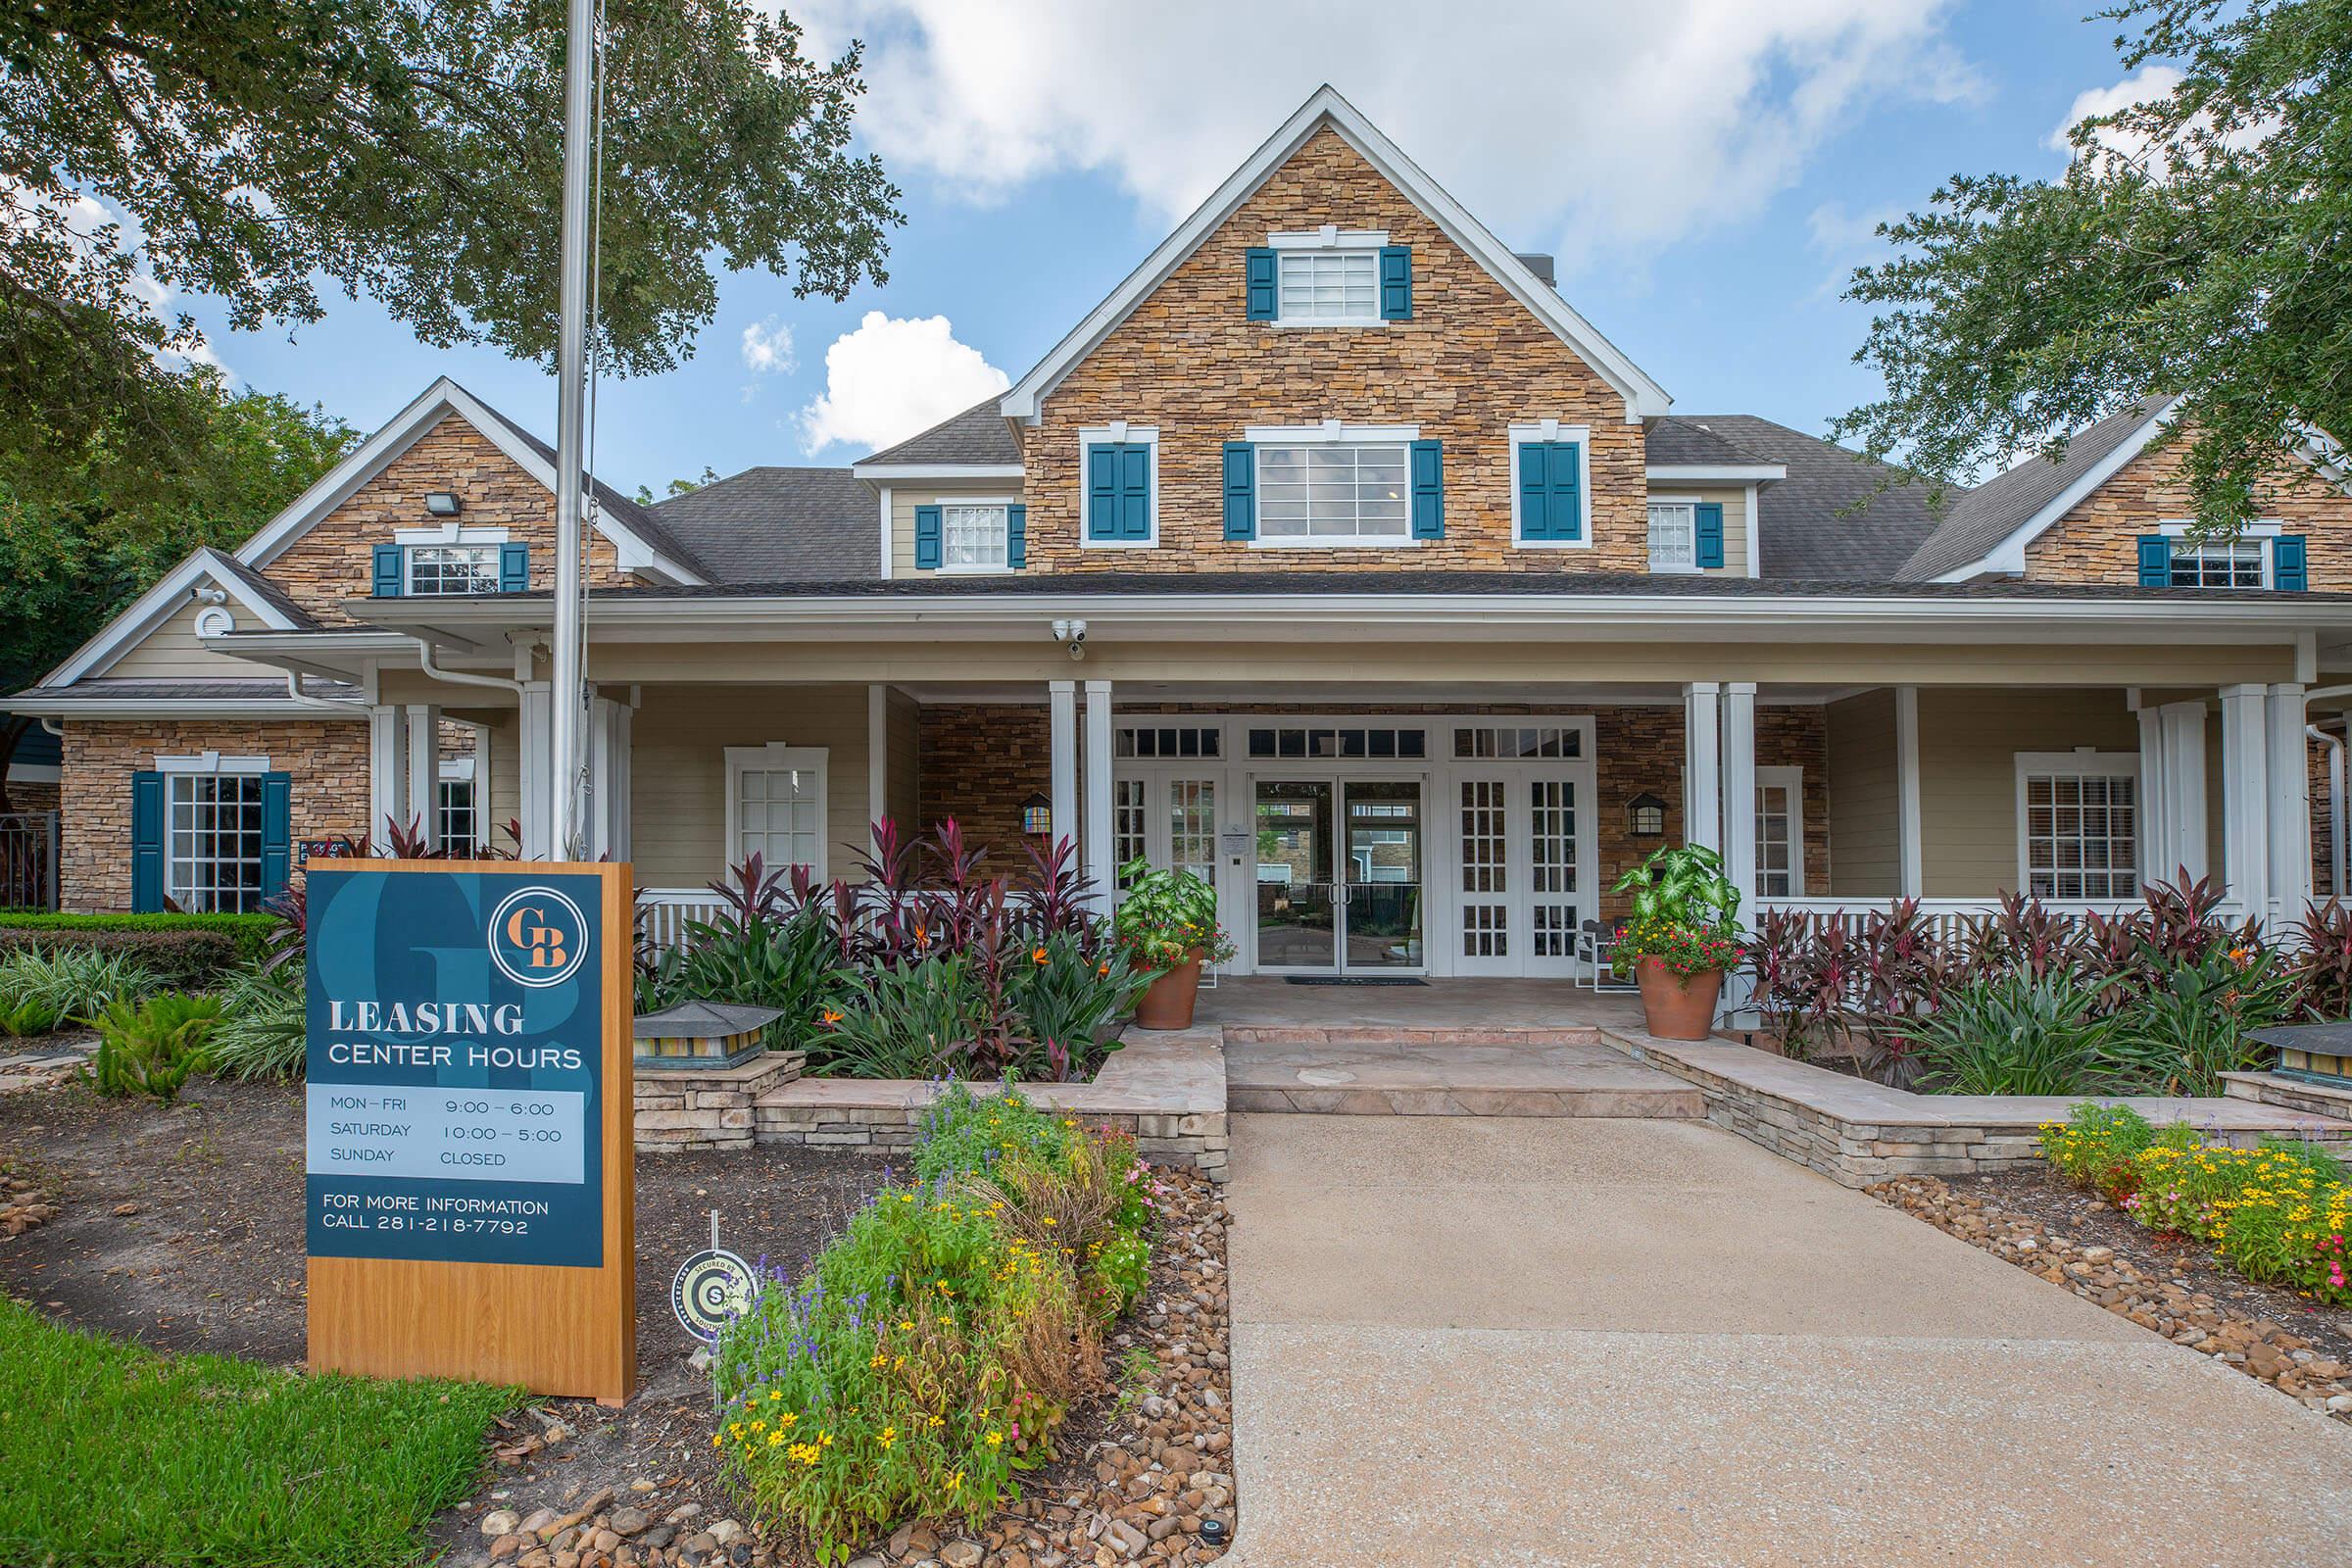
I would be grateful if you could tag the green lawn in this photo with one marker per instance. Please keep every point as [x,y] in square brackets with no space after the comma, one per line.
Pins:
[112,1455]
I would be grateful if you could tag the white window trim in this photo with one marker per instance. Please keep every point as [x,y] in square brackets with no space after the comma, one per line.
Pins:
[1331,432]
[451,533]
[456,770]
[408,563]
[1554,431]
[2082,761]
[1117,432]
[779,755]
[2260,532]
[211,762]
[1792,779]
[1694,569]
[1330,237]
[1005,570]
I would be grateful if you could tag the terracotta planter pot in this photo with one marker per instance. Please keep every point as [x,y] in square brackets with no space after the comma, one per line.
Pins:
[1678,1006]
[1167,1002]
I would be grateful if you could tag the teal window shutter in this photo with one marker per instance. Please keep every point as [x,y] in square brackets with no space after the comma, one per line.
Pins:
[386,578]
[1135,490]
[146,843]
[278,832]
[1241,490]
[1429,490]
[1395,282]
[2155,561]
[926,539]
[1101,492]
[1535,489]
[1260,284]
[1708,526]
[1017,536]
[2289,571]
[514,569]
[1567,508]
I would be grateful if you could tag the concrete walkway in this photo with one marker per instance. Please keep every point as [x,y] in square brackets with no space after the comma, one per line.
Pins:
[1467,1340]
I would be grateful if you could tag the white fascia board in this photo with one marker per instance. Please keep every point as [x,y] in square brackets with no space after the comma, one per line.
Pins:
[70,705]
[1731,472]
[2008,558]
[1643,395]
[157,603]
[898,472]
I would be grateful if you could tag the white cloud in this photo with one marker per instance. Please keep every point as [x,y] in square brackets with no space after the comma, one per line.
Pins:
[97,232]
[1617,128]
[2147,85]
[768,348]
[893,378]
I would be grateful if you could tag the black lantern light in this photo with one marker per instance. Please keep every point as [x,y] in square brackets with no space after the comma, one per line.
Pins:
[1648,815]
[1037,817]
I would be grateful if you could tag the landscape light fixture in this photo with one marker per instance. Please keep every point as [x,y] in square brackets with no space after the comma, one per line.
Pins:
[441,503]
[1037,817]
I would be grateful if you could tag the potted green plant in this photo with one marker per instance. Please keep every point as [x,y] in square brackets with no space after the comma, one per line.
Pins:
[1683,936]
[1167,925]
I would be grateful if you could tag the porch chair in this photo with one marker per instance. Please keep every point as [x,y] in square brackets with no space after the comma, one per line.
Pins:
[1593,941]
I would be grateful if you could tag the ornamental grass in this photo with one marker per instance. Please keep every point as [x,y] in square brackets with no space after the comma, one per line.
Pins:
[931,1352]
[2277,1213]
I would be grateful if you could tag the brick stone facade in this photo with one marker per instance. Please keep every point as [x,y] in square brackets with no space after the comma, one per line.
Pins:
[979,763]
[328,759]
[2097,542]
[1640,751]
[332,562]
[1470,362]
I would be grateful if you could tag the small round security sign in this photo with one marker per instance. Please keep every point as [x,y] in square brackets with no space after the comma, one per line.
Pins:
[712,1288]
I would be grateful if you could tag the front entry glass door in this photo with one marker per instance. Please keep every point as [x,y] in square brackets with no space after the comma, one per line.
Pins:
[1338,874]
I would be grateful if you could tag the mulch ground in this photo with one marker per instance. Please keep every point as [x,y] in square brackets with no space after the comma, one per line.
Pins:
[181,1227]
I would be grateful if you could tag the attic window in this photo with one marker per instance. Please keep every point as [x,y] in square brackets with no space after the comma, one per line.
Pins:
[452,570]
[1330,286]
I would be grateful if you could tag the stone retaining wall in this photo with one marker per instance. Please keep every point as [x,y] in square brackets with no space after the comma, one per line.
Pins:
[692,1108]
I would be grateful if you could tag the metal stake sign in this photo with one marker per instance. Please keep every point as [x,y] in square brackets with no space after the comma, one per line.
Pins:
[469,1142]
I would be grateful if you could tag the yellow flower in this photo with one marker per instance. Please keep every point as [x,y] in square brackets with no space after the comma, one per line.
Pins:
[996,1440]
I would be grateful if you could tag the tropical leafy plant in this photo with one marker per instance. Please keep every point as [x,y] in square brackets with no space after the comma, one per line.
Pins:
[1167,917]
[1684,885]
[1065,1000]
[70,982]
[905,1018]
[2020,1034]
[263,1027]
[152,1045]
[2193,1024]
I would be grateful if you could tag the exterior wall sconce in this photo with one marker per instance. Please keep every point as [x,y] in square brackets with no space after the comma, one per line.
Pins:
[1648,815]
[441,504]
[1037,817]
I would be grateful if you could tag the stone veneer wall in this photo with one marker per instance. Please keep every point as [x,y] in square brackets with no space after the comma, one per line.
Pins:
[1470,362]
[978,763]
[327,758]
[1641,749]
[2097,542]
[332,562]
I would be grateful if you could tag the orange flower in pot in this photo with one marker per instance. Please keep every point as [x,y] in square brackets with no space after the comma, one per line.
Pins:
[1683,937]
[1167,925]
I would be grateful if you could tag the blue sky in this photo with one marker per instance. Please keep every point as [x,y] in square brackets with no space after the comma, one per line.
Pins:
[1707,171]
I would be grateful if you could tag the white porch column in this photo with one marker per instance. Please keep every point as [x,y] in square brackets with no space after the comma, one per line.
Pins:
[1102,865]
[2181,847]
[1702,776]
[424,773]
[538,719]
[2152,789]
[1062,749]
[2289,765]
[878,752]
[2247,797]
[1911,860]
[388,770]
[607,818]
[1739,786]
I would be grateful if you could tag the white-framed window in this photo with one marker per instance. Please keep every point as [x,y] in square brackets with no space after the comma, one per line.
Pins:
[456,814]
[213,819]
[1673,535]
[1328,493]
[776,805]
[1333,287]
[1565,490]
[975,536]
[2077,830]
[2222,564]
[1779,832]
[447,570]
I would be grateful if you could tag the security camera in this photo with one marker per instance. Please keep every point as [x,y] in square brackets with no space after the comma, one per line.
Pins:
[1071,635]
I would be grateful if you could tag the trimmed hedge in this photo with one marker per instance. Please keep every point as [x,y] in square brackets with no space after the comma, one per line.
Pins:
[181,956]
[250,932]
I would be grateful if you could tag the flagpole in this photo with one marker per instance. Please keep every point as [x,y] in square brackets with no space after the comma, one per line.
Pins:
[565,839]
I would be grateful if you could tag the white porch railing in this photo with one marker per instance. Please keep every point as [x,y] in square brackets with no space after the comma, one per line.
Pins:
[1948,918]
[665,912]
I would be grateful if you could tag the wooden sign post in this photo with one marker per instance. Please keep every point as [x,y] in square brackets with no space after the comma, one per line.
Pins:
[468,1176]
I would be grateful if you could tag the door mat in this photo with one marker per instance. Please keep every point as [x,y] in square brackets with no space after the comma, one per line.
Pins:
[1354,980]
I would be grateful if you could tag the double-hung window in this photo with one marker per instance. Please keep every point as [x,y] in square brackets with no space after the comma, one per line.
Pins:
[973,538]
[210,834]
[451,570]
[1331,492]
[2220,563]
[1672,536]
[776,805]
[2079,824]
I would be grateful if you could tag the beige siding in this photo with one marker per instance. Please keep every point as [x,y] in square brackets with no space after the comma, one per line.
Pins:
[1968,745]
[678,770]
[501,751]
[173,652]
[904,498]
[1864,848]
[1734,501]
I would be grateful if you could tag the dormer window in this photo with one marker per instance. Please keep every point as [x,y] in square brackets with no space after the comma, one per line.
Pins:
[1331,277]
[2258,557]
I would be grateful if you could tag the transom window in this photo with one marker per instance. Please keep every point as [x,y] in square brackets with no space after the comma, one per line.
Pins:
[1327,285]
[1672,536]
[776,805]
[2220,564]
[212,864]
[1333,493]
[1519,740]
[1175,739]
[974,538]
[444,570]
[2080,829]
[1337,743]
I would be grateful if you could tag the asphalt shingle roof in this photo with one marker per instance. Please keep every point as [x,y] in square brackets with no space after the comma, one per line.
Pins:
[263,589]
[637,519]
[1976,524]
[1809,532]
[766,523]
[1673,439]
[979,434]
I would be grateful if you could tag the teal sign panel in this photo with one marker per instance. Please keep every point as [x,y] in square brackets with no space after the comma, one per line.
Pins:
[456,1062]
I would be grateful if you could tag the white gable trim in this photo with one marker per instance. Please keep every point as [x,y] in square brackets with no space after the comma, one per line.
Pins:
[2008,558]
[159,603]
[1643,397]
[405,429]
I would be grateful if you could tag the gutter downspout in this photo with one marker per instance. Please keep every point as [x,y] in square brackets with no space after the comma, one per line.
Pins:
[296,694]
[459,677]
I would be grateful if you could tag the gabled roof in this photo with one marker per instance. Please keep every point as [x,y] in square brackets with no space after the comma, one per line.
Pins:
[642,544]
[977,435]
[780,522]
[1325,107]
[1677,441]
[168,598]
[1988,528]
[1806,530]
